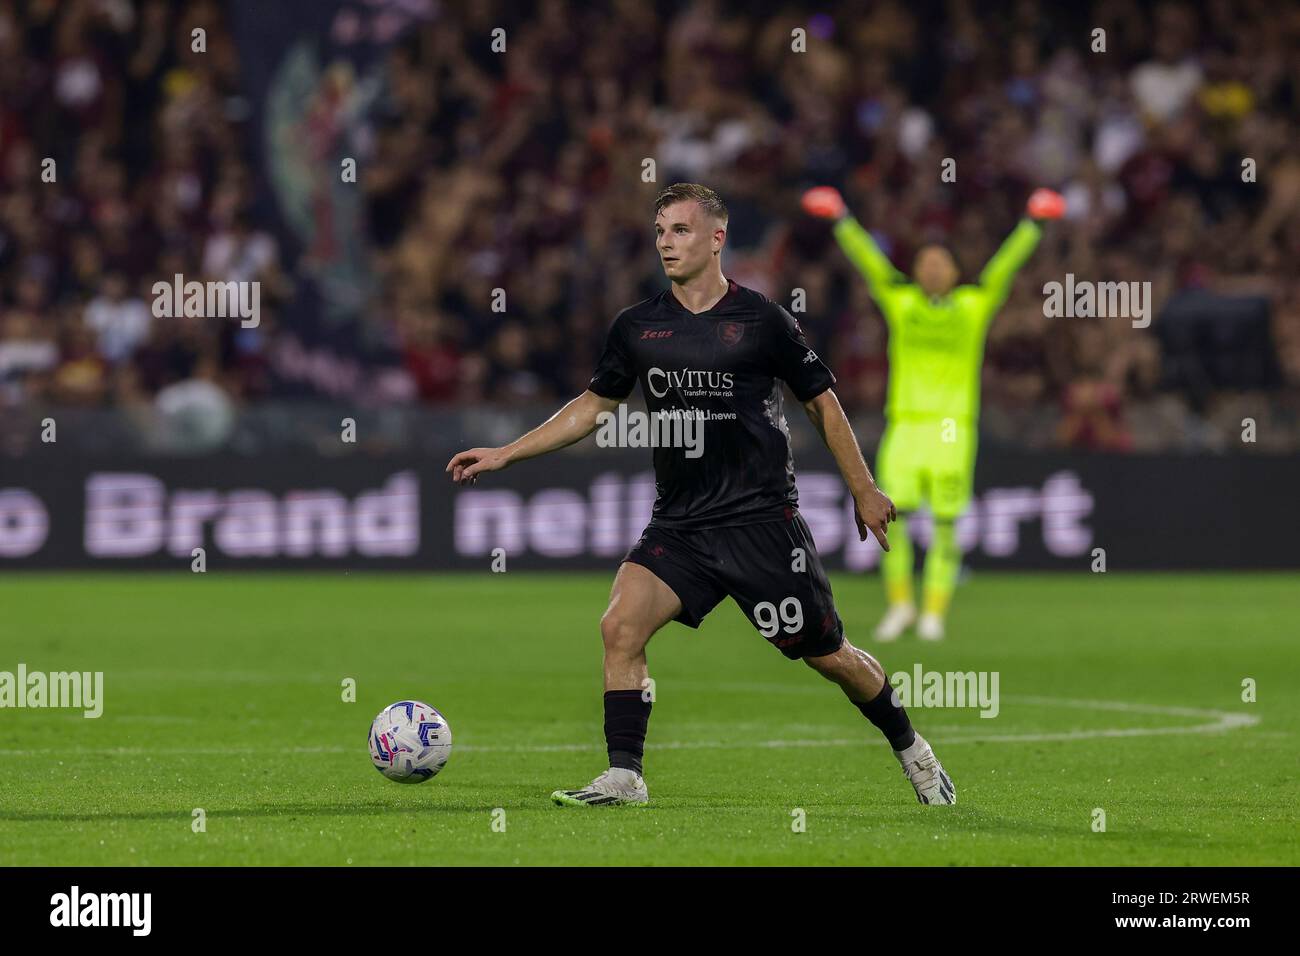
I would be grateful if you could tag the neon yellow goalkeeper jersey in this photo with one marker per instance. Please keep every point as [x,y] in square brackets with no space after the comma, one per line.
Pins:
[936,346]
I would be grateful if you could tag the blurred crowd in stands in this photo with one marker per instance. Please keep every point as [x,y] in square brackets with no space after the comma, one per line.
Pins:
[526,171]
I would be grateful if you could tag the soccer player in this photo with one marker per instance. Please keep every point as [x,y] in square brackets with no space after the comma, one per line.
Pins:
[725,522]
[936,348]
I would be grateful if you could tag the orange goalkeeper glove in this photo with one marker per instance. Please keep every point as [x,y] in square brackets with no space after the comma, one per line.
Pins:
[1045,204]
[824,202]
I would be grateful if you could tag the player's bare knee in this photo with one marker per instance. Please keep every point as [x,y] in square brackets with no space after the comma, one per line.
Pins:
[861,660]
[831,666]
[847,667]
[621,634]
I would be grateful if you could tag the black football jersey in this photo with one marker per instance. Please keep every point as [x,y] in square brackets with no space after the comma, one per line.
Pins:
[725,367]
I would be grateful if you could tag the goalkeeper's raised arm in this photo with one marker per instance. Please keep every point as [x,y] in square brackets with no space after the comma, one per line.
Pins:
[995,281]
[935,270]
[826,202]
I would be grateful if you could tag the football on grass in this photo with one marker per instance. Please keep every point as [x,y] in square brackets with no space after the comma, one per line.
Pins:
[409,741]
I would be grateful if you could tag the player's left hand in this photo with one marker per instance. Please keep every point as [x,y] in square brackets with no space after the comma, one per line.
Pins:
[873,511]
[1045,204]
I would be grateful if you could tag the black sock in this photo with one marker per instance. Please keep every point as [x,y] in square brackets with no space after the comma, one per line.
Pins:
[626,718]
[889,719]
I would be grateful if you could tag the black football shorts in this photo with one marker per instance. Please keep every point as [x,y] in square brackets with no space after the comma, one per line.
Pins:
[770,569]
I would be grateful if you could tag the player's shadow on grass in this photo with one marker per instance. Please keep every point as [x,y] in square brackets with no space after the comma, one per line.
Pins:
[529,800]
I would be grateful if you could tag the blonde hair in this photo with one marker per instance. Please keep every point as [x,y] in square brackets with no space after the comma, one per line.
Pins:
[710,202]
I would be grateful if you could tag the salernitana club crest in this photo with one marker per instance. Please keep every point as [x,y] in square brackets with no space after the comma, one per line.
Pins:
[730,333]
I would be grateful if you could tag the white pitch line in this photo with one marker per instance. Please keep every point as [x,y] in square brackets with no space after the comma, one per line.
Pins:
[1218,721]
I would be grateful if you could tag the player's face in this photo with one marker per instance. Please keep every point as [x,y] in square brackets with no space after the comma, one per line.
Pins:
[687,239]
[934,270]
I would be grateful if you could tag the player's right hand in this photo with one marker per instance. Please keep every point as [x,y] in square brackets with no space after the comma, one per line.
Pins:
[1045,204]
[825,202]
[873,511]
[466,466]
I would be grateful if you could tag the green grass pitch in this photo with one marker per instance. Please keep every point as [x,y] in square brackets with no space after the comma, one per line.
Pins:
[1121,692]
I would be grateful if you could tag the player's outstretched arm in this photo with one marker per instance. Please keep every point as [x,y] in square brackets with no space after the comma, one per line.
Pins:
[825,202]
[1016,249]
[1011,256]
[572,423]
[872,509]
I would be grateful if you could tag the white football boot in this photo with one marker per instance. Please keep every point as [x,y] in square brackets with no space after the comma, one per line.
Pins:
[922,767]
[930,627]
[614,787]
[897,619]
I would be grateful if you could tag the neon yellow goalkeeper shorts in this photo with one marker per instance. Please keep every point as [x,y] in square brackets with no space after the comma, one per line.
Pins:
[928,462]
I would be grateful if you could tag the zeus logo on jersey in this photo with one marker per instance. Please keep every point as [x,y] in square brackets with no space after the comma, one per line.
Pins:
[660,381]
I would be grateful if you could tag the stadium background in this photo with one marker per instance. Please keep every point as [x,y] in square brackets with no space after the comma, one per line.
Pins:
[1144,717]
[523,172]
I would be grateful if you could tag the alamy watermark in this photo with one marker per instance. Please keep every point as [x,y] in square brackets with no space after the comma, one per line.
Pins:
[666,428]
[1085,299]
[921,688]
[79,690]
[75,908]
[208,300]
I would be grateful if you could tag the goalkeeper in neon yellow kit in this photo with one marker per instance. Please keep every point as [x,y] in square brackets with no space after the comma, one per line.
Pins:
[936,348]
